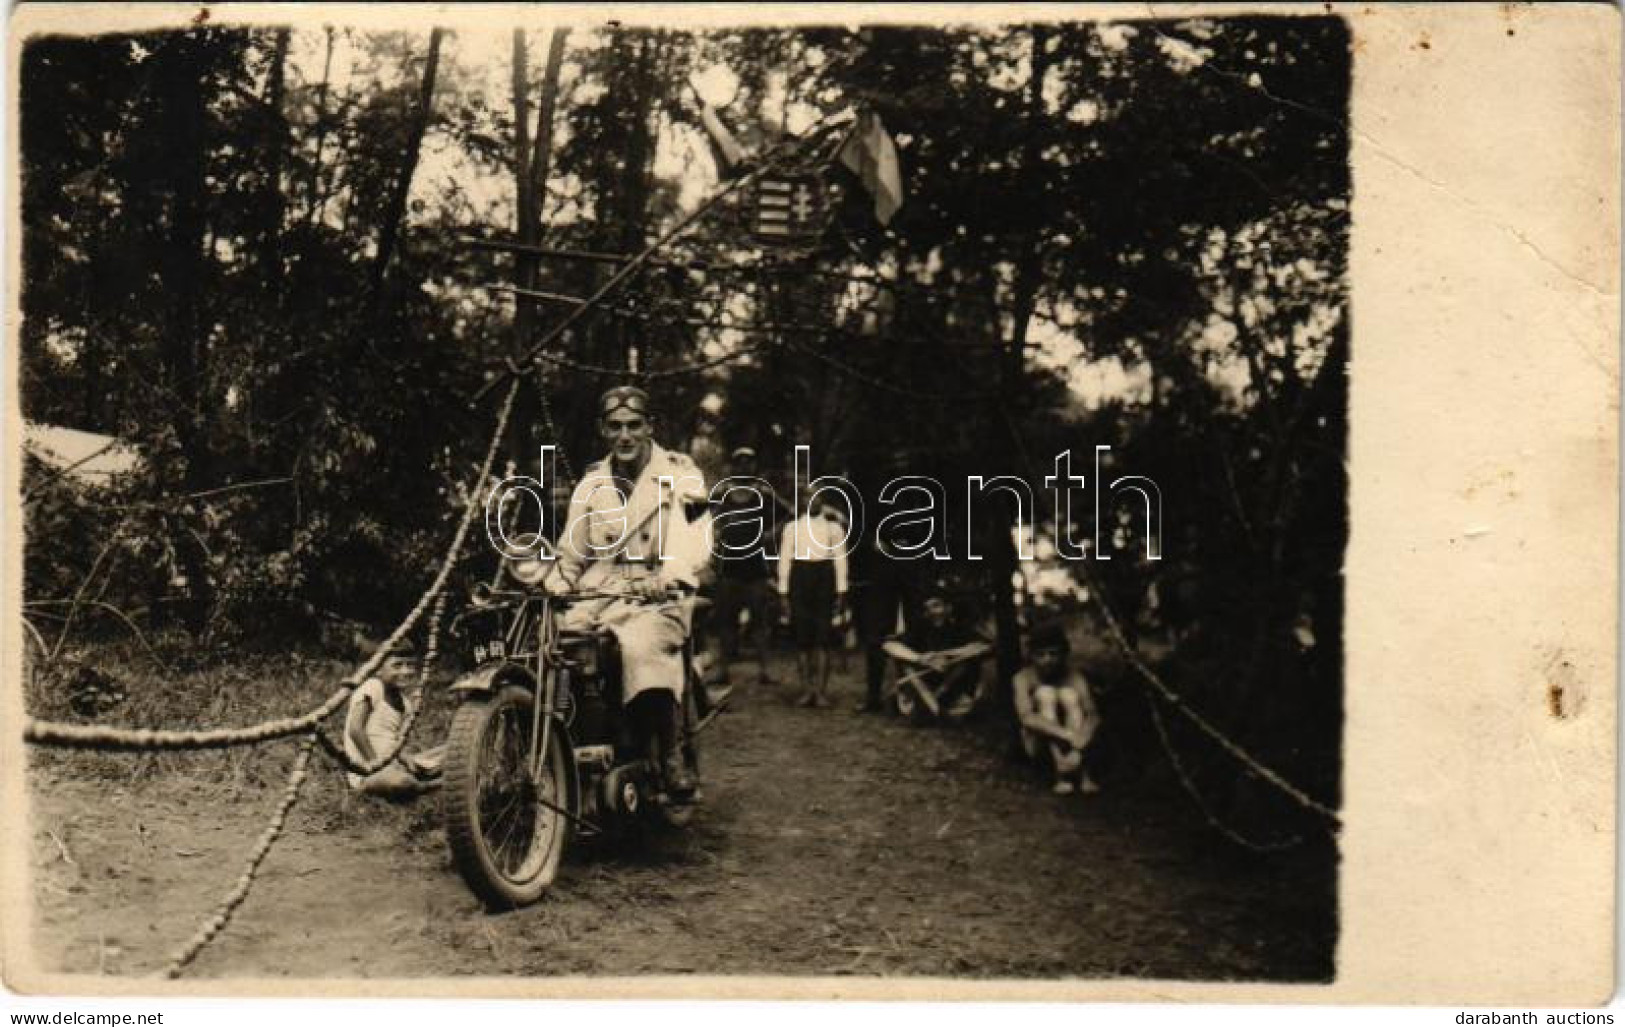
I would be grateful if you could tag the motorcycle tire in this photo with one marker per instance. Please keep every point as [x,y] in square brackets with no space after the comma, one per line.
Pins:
[506,846]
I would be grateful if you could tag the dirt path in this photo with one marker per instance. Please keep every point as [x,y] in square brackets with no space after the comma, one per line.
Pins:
[829,844]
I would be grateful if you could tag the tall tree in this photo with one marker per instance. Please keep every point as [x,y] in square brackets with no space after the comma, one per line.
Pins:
[401,188]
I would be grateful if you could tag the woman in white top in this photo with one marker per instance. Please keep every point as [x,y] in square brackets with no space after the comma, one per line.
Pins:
[812,587]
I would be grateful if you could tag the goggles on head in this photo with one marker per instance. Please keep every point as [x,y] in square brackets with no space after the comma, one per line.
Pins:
[623,397]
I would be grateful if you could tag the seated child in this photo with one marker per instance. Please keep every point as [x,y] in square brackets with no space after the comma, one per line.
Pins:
[1057,713]
[373,728]
[946,649]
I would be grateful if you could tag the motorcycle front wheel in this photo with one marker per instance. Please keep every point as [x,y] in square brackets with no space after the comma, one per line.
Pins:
[505,830]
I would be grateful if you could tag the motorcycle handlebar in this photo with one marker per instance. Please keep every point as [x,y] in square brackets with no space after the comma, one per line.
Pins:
[671,594]
[489,598]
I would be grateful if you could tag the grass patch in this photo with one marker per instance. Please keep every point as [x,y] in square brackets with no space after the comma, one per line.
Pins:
[205,693]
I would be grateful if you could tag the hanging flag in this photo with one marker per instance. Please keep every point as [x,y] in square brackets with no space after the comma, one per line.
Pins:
[871,155]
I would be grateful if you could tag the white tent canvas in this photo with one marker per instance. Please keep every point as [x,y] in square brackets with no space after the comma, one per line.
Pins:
[86,456]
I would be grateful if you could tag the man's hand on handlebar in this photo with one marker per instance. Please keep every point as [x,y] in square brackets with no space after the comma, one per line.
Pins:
[649,588]
[638,589]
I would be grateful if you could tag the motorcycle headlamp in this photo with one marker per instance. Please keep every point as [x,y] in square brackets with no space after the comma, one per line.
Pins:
[529,571]
[532,565]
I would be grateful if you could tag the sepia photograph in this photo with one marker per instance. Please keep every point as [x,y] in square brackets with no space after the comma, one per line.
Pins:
[536,498]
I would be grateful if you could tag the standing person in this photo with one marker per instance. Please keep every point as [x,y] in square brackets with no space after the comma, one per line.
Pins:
[1057,712]
[842,625]
[745,521]
[812,587]
[883,590]
[880,605]
[705,448]
[640,524]
[744,464]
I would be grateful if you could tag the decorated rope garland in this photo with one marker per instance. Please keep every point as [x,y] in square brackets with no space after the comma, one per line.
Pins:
[211,927]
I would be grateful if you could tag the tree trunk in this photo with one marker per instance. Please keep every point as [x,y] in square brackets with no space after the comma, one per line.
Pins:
[1006,626]
[185,354]
[1028,259]
[524,193]
[622,191]
[1029,276]
[316,198]
[532,161]
[270,255]
[541,161]
[395,209]
[635,177]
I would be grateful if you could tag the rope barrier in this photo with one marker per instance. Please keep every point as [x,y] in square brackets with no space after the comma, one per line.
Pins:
[296,778]
[652,318]
[1162,691]
[115,739]
[1174,700]
[1212,819]
[546,402]
[694,367]
[239,891]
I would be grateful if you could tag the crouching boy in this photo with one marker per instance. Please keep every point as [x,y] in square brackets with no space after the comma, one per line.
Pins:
[1057,712]
[377,716]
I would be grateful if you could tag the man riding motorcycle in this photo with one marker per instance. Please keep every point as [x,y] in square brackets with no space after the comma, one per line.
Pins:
[639,523]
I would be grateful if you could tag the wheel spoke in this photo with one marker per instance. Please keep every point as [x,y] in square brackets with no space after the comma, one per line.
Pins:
[504,820]
[517,828]
[502,799]
[546,819]
[507,819]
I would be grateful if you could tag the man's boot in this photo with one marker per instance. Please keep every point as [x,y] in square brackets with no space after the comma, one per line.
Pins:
[680,783]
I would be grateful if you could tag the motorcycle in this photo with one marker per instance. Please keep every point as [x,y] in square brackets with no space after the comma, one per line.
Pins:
[541,751]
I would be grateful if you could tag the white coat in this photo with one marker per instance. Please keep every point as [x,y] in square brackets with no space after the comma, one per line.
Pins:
[662,530]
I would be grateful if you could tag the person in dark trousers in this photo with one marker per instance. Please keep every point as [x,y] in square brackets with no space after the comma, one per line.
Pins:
[812,591]
[881,600]
[745,521]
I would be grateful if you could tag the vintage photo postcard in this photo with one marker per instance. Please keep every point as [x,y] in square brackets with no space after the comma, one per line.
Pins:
[1061,502]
